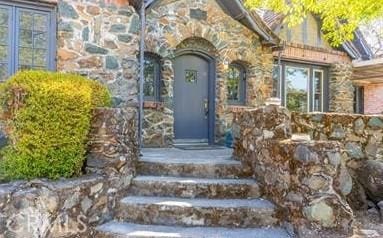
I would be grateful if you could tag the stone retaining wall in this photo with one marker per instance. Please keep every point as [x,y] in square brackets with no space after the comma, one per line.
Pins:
[306,179]
[362,135]
[72,207]
[362,139]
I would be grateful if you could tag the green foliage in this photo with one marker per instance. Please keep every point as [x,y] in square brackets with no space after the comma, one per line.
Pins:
[340,18]
[49,116]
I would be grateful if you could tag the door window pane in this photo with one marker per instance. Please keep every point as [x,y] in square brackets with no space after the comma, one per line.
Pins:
[4,43]
[4,35]
[26,20]
[33,40]
[4,16]
[39,58]
[318,91]
[3,72]
[40,22]
[3,53]
[297,80]
[40,40]
[26,38]
[25,56]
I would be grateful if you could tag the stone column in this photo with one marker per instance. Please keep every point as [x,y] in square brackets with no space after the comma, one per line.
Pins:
[259,79]
[221,101]
[113,147]
[341,92]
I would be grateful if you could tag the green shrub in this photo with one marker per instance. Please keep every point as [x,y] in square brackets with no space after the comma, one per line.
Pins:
[49,116]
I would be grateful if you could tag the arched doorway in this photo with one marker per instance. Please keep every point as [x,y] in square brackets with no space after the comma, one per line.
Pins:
[194,97]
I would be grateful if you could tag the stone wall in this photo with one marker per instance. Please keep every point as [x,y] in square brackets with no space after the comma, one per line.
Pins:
[362,138]
[307,180]
[341,90]
[113,142]
[73,207]
[362,135]
[173,25]
[100,39]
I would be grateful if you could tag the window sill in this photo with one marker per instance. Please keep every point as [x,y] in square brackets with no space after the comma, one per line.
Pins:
[237,108]
[153,105]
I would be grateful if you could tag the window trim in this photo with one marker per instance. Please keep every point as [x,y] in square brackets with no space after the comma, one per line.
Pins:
[242,85]
[157,77]
[315,70]
[279,91]
[8,59]
[45,8]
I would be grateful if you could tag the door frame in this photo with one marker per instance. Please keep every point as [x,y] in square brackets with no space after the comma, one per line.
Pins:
[211,86]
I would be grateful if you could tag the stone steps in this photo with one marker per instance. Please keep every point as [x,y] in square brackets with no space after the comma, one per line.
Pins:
[193,168]
[244,213]
[193,194]
[184,187]
[128,230]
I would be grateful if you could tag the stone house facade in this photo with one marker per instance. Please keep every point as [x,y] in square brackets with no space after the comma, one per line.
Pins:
[204,59]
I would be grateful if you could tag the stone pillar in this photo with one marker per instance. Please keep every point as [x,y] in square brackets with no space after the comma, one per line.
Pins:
[259,78]
[113,147]
[221,101]
[250,127]
[341,89]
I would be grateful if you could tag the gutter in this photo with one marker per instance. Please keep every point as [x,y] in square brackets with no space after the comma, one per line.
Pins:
[245,16]
[141,80]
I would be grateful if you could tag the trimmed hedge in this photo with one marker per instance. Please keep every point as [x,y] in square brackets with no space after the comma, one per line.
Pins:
[48,115]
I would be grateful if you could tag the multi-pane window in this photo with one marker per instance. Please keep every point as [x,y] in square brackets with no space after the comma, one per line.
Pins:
[236,84]
[5,23]
[27,37]
[301,87]
[152,78]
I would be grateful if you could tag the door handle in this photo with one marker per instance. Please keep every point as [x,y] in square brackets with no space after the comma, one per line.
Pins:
[206,107]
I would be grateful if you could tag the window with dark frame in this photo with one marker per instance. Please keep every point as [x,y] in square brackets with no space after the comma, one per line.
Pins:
[236,85]
[27,38]
[152,74]
[301,87]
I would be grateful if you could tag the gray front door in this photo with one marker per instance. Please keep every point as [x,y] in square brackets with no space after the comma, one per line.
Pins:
[191,98]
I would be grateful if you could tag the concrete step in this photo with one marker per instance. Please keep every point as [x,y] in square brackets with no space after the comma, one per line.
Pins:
[129,230]
[218,168]
[194,187]
[244,213]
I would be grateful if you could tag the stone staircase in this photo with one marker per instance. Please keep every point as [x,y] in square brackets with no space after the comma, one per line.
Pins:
[193,196]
